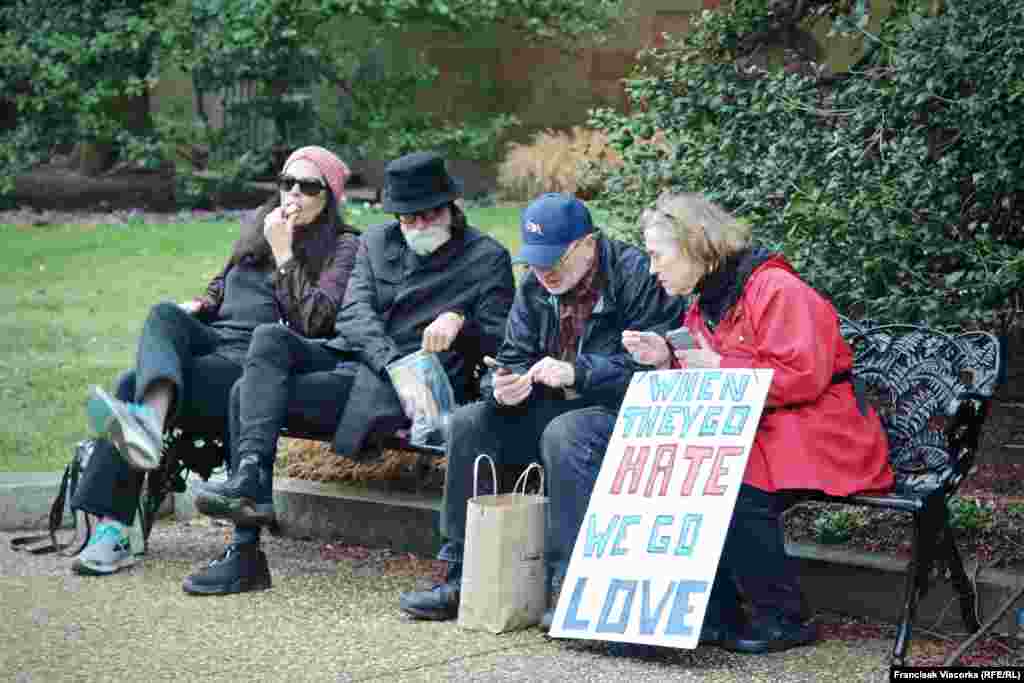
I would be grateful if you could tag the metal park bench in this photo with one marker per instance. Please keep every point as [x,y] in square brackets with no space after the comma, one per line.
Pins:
[932,391]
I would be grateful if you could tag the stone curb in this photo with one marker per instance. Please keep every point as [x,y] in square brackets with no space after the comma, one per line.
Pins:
[25,499]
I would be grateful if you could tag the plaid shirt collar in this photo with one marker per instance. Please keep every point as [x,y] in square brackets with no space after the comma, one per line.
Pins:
[575,308]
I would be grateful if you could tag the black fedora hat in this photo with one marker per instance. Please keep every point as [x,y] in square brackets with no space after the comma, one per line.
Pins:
[417,182]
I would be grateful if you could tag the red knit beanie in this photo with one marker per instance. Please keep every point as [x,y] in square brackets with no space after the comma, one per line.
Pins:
[333,169]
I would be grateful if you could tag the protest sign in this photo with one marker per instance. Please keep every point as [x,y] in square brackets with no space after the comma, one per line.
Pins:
[647,551]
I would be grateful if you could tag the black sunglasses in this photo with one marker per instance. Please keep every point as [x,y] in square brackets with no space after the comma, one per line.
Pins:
[426,214]
[310,187]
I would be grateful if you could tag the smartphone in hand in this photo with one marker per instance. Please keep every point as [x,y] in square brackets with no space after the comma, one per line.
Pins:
[681,339]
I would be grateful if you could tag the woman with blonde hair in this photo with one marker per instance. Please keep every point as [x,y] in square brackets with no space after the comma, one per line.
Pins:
[752,310]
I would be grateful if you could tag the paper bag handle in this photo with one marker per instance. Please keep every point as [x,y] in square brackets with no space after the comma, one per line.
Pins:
[526,473]
[476,472]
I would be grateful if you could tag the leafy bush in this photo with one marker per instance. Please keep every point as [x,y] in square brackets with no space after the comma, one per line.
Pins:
[837,526]
[76,71]
[80,71]
[477,141]
[894,188]
[970,514]
[557,161]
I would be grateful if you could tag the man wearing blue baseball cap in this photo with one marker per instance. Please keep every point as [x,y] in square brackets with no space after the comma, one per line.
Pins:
[559,377]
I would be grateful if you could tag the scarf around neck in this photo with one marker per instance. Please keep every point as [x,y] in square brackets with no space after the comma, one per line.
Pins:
[720,289]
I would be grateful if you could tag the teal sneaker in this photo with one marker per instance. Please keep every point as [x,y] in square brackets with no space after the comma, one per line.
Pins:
[109,550]
[131,427]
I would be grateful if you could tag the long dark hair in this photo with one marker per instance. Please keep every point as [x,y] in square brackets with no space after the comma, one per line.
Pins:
[312,245]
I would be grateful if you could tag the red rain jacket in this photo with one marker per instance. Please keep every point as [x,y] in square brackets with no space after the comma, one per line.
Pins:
[811,435]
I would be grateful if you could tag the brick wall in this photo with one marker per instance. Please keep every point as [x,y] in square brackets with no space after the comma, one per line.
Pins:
[1003,439]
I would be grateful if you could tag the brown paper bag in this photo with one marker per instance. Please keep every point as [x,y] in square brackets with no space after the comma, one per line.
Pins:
[503,557]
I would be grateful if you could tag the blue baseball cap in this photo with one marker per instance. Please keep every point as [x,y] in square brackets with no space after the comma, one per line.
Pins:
[548,225]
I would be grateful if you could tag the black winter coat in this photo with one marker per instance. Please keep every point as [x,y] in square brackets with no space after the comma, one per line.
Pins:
[393,294]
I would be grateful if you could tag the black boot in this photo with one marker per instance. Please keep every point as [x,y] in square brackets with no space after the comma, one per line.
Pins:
[246,497]
[241,568]
[440,603]
[714,632]
[556,577]
[770,633]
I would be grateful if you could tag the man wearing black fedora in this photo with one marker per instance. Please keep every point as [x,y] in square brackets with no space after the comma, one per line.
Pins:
[424,280]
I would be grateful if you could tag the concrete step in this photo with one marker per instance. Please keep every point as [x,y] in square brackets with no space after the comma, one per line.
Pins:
[25,499]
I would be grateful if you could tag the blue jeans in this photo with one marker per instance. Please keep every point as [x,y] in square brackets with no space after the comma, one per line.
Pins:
[567,437]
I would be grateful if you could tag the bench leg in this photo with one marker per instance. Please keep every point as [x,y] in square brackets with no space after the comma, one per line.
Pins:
[958,576]
[916,581]
[154,491]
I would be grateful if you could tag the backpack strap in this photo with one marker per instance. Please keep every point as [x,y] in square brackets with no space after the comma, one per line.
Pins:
[36,544]
[30,543]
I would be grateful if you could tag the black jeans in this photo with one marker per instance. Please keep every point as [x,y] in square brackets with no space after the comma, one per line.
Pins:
[203,363]
[568,438]
[289,381]
[754,556]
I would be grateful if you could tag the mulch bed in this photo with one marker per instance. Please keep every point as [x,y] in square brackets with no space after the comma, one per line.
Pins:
[989,532]
[315,461]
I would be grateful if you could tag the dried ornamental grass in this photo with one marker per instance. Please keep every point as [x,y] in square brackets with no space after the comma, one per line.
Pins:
[555,161]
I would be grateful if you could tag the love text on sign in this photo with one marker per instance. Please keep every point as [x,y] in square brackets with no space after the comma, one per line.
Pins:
[645,558]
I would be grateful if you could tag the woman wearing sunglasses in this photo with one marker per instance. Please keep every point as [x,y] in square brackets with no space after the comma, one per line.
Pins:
[289,266]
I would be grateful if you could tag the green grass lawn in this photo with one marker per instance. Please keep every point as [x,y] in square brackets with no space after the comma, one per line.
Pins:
[72,302]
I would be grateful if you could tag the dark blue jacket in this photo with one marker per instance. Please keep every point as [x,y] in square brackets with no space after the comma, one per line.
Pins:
[631,299]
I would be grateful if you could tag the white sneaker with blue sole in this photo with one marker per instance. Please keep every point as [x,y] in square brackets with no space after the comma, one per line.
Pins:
[109,550]
[131,427]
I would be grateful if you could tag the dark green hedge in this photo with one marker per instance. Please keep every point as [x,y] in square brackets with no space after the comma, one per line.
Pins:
[897,189]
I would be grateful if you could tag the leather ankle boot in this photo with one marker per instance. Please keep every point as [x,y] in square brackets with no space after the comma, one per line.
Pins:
[246,497]
[770,633]
[243,567]
[440,603]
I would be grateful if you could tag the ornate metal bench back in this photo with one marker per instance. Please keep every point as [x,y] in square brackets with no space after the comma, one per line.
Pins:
[931,390]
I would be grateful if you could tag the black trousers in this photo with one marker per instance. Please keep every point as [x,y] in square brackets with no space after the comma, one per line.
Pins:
[203,363]
[289,381]
[754,556]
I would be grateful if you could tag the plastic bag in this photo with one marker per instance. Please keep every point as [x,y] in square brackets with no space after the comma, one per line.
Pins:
[426,395]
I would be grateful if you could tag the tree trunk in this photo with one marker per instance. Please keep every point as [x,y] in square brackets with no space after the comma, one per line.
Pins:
[93,157]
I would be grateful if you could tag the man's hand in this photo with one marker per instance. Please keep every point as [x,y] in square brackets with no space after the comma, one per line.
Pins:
[553,373]
[441,333]
[701,357]
[278,229]
[509,388]
[647,348]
